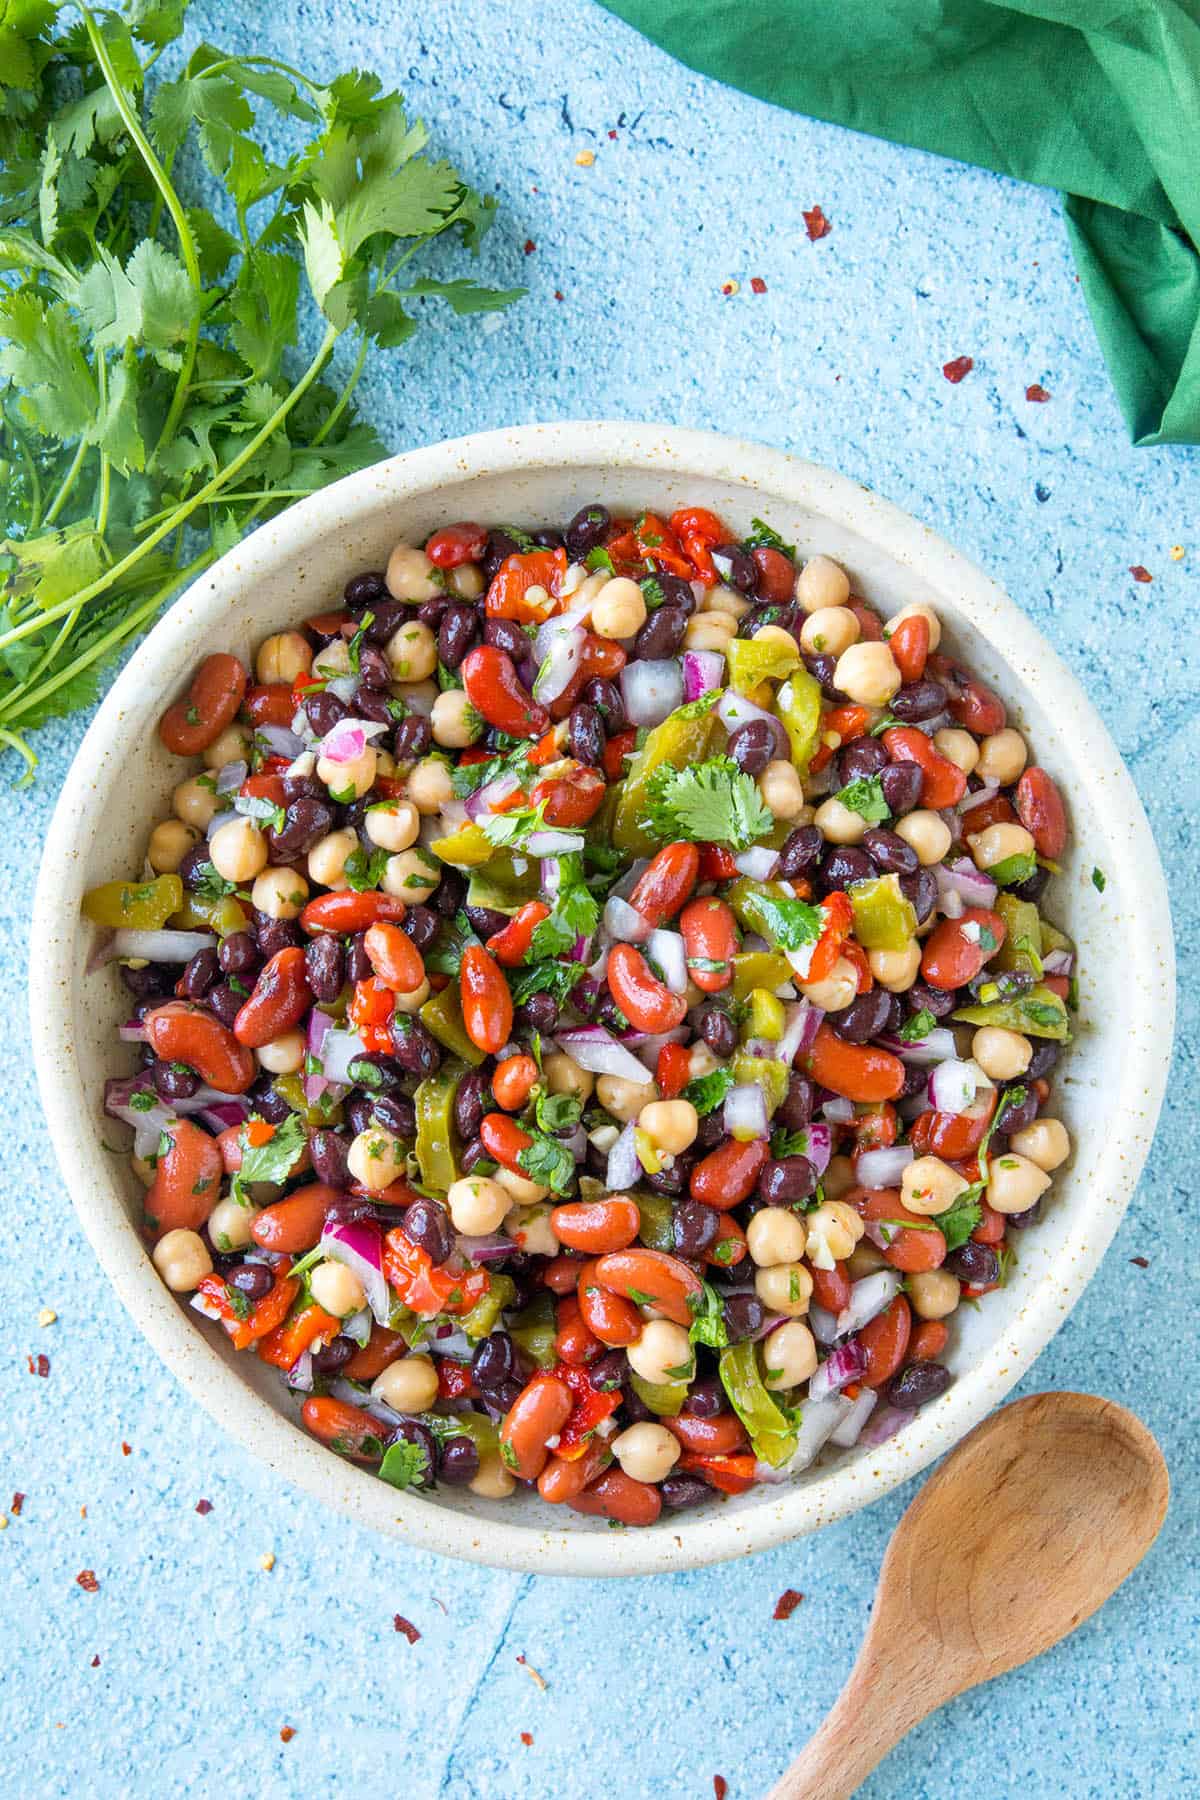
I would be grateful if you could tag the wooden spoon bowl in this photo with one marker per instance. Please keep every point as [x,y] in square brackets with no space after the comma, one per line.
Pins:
[1021,1534]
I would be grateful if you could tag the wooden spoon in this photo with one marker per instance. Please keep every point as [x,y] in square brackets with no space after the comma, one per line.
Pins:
[1021,1534]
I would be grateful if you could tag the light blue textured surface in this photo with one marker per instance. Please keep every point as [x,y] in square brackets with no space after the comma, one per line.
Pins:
[656,1686]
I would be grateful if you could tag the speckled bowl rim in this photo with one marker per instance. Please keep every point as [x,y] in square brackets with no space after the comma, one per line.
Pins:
[773,1514]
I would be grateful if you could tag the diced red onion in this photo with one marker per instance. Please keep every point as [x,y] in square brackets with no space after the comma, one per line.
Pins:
[483,1250]
[210,1310]
[980,797]
[817,1145]
[551,873]
[1058,962]
[228,817]
[553,629]
[667,950]
[219,1117]
[952,904]
[744,1115]
[488,798]
[319,1025]
[846,1435]
[703,670]
[629,880]
[624,923]
[358,1326]
[300,1376]
[358,1244]
[883,1425]
[230,777]
[963,879]
[823,1325]
[802,1021]
[838,1110]
[597,1050]
[842,1366]
[758,862]
[280,741]
[624,1171]
[651,690]
[419,699]
[734,709]
[935,1047]
[159,946]
[302,726]
[133,1032]
[304,765]
[883,1168]
[868,1297]
[338,1051]
[554,843]
[559,664]
[953,1085]
[344,687]
[348,739]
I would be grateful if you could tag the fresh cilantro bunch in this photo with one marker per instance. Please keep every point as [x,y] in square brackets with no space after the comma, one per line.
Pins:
[714,802]
[154,404]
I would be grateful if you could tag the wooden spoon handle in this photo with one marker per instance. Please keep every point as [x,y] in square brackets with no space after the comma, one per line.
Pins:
[872,1713]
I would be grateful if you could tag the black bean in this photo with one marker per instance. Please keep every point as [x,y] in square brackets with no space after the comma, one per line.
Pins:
[485,921]
[470,1104]
[547,538]
[1023,1220]
[742,1314]
[369,703]
[413,737]
[890,854]
[539,1013]
[679,1492]
[334,1355]
[460,1462]
[976,1263]
[499,546]
[389,616]
[800,851]
[776,613]
[416,1050]
[753,745]
[506,635]
[1015,1118]
[451,891]
[374,1072]
[661,589]
[736,568]
[922,998]
[329,1152]
[921,889]
[1033,887]
[274,935]
[609,1372]
[255,1280]
[358,963]
[473,1154]
[710,1133]
[695,1227]
[718,1031]
[706,1398]
[495,1359]
[420,923]
[196,868]
[324,710]
[362,590]
[586,531]
[173,1081]
[900,784]
[661,635]
[842,865]
[429,1227]
[360,1114]
[666,1181]
[864,1018]
[432,612]
[457,633]
[915,1079]
[823,668]
[348,1209]
[923,699]
[225,1002]
[200,974]
[605,696]
[301,787]
[861,759]
[238,954]
[918,1384]
[634,1407]
[149,983]
[397,1114]
[266,1101]
[796,1108]
[1045,1055]
[787,1180]
[411,1431]
[373,670]
[585,736]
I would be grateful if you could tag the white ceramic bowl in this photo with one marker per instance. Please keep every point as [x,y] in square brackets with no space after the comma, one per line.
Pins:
[1108,1092]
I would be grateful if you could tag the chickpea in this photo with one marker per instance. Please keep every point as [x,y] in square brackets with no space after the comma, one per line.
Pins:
[624,1099]
[520,1189]
[280,893]
[1015,1183]
[376,1159]
[337,1289]
[412,875]
[958,747]
[410,575]
[385,764]
[670,1124]
[925,832]
[865,1259]
[477,1205]
[195,801]
[830,631]
[409,1385]
[530,1229]
[587,587]
[784,1288]
[867,674]
[1002,757]
[996,843]
[822,583]
[229,1225]
[169,843]
[282,657]
[646,1452]
[838,1178]
[775,634]
[283,1055]
[412,652]
[564,1076]
[393,825]
[233,745]
[492,1481]
[414,1000]
[238,851]
[775,1235]
[709,631]
[332,660]
[182,1260]
[1045,1142]
[782,790]
[724,600]
[327,858]
[789,1356]
[835,990]
[1001,1054]
[349,780]
[833,1230]
[456,724]
[429,786]
[466,582]
[919,611]
[896,970]
[619,609]
[838,823]
[661,1351]
[933,1293]
[930,1186]
[701,1060]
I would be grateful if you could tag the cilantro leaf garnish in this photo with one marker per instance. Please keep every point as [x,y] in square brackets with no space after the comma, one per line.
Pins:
[547,1161]
[504,829]
[714,802]
[554,978]
[574,914]
[865,797]
[792,924]
[272,1161]
[406,1464]
[918,1027]
[1099,880]
[363,871]
[764,534]
[210,886]
[957,1224]
[446,952]
[557,1112]
[707,1091]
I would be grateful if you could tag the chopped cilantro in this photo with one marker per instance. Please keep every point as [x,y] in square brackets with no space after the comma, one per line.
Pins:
[708,1319]
[354,647]
[788,1143]
[446,952]
[865,797]
[525,544]
[274,1160]
[598,559]
[406,1464]
[513,827]
[792,924]
[959,1222]
[548,1162]
[555,978]
[448,678]
[713,803]
[652,592]
[142,1100]
[763,535]
[239,1303]
[707,1091]
[1013,870]
[261,810]
[363,871]
[574,913]
[696,709]
[918,1027]
[557,1112]
[883,724]
[210,886]
[1099,880]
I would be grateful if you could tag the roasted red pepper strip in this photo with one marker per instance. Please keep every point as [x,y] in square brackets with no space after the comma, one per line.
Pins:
[370,1011]
[839,923]
[507,594]
[511,945]
[284,1346]
[730,1474]
[674,1070]
[270,1311]
[455,1381]
[424,1289]
[591,1406]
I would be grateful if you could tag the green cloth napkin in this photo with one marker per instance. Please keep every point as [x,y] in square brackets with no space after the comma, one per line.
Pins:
[1097,98]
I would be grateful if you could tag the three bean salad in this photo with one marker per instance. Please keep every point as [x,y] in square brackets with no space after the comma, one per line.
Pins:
[595,1011]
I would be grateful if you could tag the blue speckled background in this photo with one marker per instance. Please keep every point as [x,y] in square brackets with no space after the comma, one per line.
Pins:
[177,1675]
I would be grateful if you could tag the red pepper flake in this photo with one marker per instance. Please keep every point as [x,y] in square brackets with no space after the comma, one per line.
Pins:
[1037,393]
[203,1507]
[558,294]
[18,1501]
[757,285]
[530,246]
[1138,573]
[720,1787]
[816,224]
[613,136]
[287,1733]
[527,1738]
[95,1662]
[40,1365]
[400,1623]
[1139,1262]
[787,1603]
[126,1449]
[954,371]
[87,1580]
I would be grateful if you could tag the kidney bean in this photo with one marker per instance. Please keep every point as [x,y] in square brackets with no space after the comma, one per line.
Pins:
[280,1000]
[912,1249]
[596,1226]
[294,1225]
[663,1280]
[540,1410]
[728,1176]
[372,1358]
[211,703]
[334,1421]
[571,798]
[345,912]
[574,1344]
[187,1180]
[915,1386]
[842,866]
[562,1478]
[414,1046]
[494,689]
[1041,811]
[909,645]
[719,1435]
[618,1496]
[610,1317]
[647,1003]
[786,1181]
[453,545]
[884,1340]
[864,1018]
[928,1340]
[942,782]
[776,573]
[662,634]
[857,1072]
[270,704]
[951,958]
[329,1153]
[718,1031]
[513,1082]
[991,1226]
[504,1140]
[458,630]
[831,1287]
[710,937]
[486,1002]
[953,1136]
[996,811]
[178,1032]
[970,703]
[667,881]
[394,957]
[694,1227]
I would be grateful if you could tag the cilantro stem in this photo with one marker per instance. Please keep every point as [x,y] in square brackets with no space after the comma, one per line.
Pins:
[348,387]
[68,482]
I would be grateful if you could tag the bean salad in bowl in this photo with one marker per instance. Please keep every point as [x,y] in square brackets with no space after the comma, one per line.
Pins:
[596,1014]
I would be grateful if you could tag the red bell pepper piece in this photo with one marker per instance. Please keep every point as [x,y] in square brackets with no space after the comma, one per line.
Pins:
[511,945]
[455,1380]
[270,1311]
[370,1011]
[284,1346]
[591,1406]
[424,1289]
[506,596]
[674,1070]
[733,1474]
